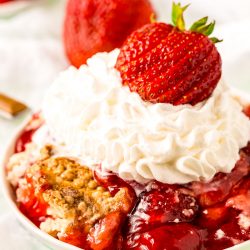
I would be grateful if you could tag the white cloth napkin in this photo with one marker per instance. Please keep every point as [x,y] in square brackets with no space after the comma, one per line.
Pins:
[31,49]
[31,55]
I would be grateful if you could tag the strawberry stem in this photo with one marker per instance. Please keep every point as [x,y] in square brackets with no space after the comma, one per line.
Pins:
[200,26]
[177,15]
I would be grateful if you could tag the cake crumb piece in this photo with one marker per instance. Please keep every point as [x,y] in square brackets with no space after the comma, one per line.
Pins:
[205,212]
[47,151]
[219,234]
[188,212]
[244,221]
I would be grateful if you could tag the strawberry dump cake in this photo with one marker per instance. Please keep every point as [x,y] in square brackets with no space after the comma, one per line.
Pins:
[141,148]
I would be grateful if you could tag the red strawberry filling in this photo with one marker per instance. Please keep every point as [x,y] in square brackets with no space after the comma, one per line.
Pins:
[177,236]
[106,234]
[213,217]
[28,132]
[31,204]
[240,199]
[222,184]
[227,235]
[161,204]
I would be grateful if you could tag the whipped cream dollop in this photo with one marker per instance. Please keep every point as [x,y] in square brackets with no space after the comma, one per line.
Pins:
[99,120]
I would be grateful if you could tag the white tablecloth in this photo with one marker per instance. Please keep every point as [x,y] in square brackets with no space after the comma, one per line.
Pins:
[31,55]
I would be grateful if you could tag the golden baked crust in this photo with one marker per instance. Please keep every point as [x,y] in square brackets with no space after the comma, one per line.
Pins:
[71,192]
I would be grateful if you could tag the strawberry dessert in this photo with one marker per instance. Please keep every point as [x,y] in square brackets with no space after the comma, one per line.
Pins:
[143,147]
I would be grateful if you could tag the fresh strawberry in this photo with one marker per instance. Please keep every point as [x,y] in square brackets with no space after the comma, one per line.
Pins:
[167,64]
[181,236]
[162,203]
[93,26]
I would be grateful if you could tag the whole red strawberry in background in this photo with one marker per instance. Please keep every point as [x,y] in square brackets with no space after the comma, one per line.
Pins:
[93,26]
[5,1]
[168,64]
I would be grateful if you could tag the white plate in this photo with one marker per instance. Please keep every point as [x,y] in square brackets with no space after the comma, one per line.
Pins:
[35,231]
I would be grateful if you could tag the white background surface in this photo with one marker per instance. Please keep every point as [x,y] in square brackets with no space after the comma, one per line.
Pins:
[31,55]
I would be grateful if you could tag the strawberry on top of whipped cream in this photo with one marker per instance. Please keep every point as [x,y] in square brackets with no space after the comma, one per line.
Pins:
[101,122]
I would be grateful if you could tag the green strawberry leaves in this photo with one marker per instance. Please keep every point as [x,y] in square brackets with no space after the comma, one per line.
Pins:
[215,40]
[207,30]
[202,27]
[199,26]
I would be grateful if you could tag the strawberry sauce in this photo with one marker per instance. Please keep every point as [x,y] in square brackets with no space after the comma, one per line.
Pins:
[32,204]
[198,215]
[26,135]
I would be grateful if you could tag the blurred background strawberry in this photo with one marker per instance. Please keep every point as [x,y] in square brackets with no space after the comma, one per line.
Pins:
[93,26]
[4,1]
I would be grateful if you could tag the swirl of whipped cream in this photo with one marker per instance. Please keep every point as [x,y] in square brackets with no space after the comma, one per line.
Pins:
[101,121]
